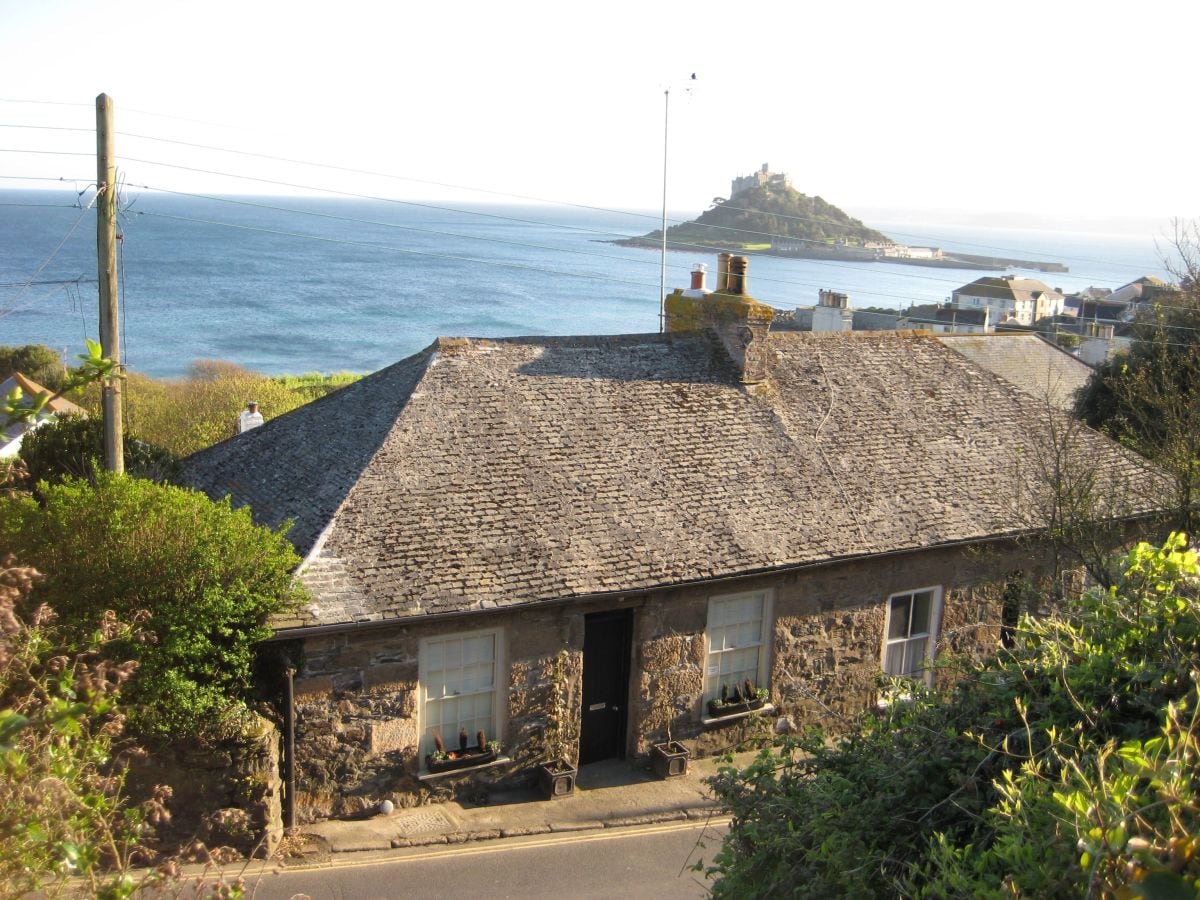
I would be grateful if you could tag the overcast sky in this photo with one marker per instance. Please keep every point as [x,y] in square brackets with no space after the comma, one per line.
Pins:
[1055,108]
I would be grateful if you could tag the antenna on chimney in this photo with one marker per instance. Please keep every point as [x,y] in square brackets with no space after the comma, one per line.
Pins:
[662,274]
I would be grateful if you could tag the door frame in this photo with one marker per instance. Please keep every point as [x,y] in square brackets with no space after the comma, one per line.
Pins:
[625,617]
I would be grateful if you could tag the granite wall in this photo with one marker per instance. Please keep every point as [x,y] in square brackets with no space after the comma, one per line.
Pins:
[357,729]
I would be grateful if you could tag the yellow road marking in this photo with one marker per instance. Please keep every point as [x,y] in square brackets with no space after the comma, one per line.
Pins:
[502,845]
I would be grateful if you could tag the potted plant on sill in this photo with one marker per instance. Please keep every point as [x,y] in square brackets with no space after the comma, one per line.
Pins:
[745,698]
[465,757]
[556,776]
[669,758]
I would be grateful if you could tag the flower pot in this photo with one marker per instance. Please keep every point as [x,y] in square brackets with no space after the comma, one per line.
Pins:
[717,709]
[460,759]
[670,760]
[557,779]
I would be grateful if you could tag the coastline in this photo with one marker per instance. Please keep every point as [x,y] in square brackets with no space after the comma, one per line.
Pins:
[854,254]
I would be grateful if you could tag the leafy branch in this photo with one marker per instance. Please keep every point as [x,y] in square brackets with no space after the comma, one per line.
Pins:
[94,366]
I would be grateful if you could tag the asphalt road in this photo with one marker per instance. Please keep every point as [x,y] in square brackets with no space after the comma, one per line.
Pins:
[650,861]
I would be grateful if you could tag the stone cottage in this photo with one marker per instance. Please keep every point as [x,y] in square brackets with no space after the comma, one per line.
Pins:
[572,544]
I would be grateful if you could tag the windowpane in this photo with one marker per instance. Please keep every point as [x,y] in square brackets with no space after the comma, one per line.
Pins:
[909,633]
[735,642]
[898,620]
[459,681]
[922,605]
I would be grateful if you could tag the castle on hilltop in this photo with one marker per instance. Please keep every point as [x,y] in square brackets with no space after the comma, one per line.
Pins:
[764,177]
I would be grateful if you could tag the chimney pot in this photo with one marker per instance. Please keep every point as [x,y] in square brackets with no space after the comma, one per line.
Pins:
[736,283]
[698,274]
[723,270]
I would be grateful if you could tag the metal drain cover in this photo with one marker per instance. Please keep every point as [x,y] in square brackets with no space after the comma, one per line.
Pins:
[422,821]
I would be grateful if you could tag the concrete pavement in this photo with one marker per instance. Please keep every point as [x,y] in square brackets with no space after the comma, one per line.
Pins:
[609,794]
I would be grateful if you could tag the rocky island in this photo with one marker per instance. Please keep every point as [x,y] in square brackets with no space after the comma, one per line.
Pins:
[766,214]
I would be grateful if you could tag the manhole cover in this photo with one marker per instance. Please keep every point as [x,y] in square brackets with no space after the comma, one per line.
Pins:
[422,821]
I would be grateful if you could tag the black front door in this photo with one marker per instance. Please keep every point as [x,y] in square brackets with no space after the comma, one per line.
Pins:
[607,637]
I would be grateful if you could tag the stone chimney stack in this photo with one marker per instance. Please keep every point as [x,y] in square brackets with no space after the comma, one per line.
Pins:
[832,312]
[740,321]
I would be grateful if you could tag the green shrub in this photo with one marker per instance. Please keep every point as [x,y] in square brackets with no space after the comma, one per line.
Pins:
[1065,767]
[73,447]
[203,576]
[35,361]
[61,810]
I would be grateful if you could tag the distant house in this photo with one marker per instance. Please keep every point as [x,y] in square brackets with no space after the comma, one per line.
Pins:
[949,319]
[597,535]
[1008,296]
[11,437]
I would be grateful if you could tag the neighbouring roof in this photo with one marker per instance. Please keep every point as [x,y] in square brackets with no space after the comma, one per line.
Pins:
[1004,288]
[30,389]
[491,473]
[1033,364]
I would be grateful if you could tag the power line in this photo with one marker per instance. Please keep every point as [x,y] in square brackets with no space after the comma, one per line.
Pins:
[537,199]
[394,225]
[60,178]
[42,205]
[392,176]
[354,171]
[48,127]
[42,102]
[803,284]
[52,281]
[46,152]
[295,161]
[46,262]
[677,245]
[388,247]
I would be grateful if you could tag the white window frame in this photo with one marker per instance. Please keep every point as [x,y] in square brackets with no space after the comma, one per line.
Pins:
[498,690]
[712,681]
[930,636]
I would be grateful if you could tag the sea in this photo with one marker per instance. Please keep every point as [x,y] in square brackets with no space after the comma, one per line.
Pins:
[301,284]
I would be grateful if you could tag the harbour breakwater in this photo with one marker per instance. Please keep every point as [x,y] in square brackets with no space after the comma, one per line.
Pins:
[858,254]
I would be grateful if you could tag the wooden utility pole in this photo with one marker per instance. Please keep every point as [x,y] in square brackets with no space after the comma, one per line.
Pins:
[106,264]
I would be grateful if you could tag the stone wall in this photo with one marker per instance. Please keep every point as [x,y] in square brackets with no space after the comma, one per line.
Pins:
[357,730]
[227,794]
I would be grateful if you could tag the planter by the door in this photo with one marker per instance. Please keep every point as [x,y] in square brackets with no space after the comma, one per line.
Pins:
[670,760]
[461,759]
[557,779]
[717,709]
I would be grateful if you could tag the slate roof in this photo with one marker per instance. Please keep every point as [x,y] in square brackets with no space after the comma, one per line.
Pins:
[492,473]
[1004,288]
[1033,364]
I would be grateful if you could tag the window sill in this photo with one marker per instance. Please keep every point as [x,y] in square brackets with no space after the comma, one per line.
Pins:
[715,721]
[425,777]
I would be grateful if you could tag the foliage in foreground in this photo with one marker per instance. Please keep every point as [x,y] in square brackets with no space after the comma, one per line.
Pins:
[1066,767]
[61,812]
[1149,397]
[200,576]
[73,447]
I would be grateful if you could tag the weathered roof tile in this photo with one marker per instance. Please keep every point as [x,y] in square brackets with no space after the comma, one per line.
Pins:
[513,471]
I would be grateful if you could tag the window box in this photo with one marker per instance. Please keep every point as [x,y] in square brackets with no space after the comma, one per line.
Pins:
[719,710]
[670,760]
[461,759]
